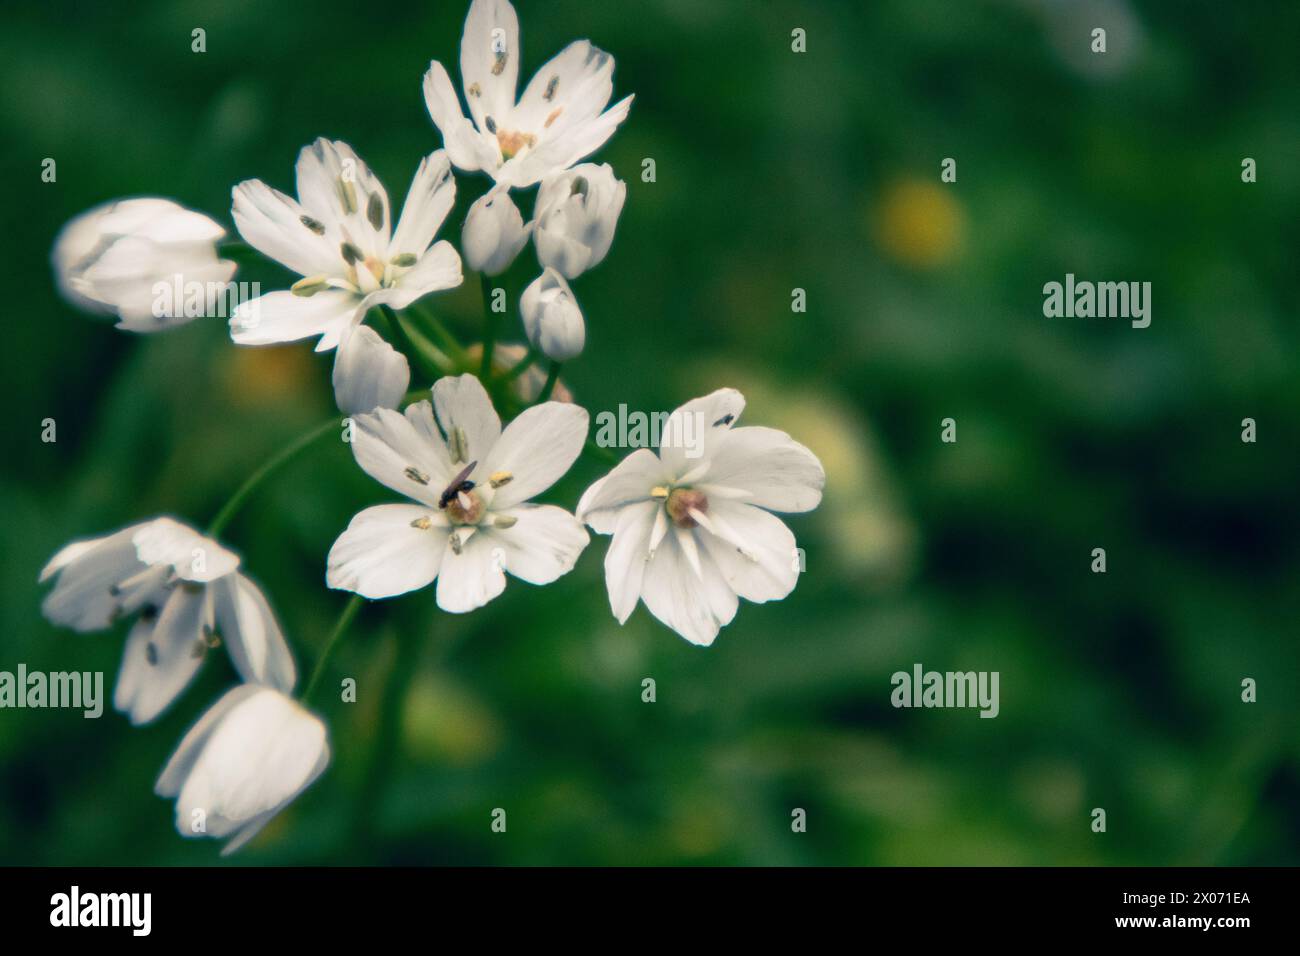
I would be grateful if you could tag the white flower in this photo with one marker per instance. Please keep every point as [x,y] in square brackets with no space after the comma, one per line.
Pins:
[577,211]
[180,585]
[494,233]
[245,760]
[692,528]
[470,483]
[116,258]
[558,120]
[552,319]
[337,235]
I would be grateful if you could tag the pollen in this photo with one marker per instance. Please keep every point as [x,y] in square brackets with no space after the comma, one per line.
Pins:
[512,142]
[499,478]
[309,286]
[660,491]
[314,225]
[415,474]
[555,114]
[550,89]
[347,196]
[422,523]
[458,445]
[375,211]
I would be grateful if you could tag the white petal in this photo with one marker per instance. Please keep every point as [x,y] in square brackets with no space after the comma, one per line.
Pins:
[629,551]
[631,480]
[466,147]
[260,753]
[382,553]
[336,186]
[438,269]
[462,402]
[489,59]
[768,567]
[694,605]
[251,633]
[580,81]
[543,544]
[690,433]
[537,448]
[369,373]
[151,679]
[272,223]
[187,751]
[472,578]
[430,198]
[193,557]
[775,470]
[285,317]
[403,451]
[89,572]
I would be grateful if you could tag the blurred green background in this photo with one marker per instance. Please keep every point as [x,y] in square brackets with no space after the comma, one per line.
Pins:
[775,170]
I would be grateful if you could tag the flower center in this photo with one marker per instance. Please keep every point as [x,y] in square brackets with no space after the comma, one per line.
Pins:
[465,507]
[513,142]
[681,502]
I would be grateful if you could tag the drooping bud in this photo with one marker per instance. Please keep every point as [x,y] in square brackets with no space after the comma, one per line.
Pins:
[552,319]
[494,233]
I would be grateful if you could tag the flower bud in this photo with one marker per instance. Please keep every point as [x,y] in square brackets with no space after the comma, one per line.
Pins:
[143,260]
[552,319]
[577,211]
[245,760]
[494,233]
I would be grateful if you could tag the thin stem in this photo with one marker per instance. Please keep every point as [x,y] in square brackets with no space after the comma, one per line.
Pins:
[489,328]
[519,367]
[552,376]
[387,736]
[271,465]
[336,636]
[445,340]
[431,362]
[599,453]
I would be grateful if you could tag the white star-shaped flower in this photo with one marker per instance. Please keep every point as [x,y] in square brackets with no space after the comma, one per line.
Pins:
[692,526]
[560,119]
[182,587]
[470,483]
[338,236]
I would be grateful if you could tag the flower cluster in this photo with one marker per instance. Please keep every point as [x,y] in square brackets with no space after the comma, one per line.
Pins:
[693,525]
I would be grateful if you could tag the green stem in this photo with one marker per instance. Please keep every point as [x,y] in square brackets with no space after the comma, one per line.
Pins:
[271,465]
[386,739]
[445,340]
[431,362]
[599,453]
[336,637]
[489,329]
[552,376]
[519,367]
